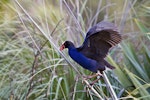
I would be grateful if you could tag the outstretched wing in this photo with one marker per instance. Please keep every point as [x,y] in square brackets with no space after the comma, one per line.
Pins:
[99,39]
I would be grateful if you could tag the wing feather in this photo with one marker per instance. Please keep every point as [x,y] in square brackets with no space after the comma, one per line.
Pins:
[99,39]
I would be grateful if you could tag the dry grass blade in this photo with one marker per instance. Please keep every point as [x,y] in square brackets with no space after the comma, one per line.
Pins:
[109,87]
[75,19]
[127,8]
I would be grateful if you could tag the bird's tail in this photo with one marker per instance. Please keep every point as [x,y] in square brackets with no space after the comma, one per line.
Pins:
[108,65]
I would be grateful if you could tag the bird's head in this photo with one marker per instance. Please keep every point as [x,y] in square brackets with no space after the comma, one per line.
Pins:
[66,44]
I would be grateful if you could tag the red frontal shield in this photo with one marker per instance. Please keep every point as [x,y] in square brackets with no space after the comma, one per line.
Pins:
[62,47]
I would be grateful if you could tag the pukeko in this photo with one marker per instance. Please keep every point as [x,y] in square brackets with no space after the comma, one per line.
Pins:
[99,39]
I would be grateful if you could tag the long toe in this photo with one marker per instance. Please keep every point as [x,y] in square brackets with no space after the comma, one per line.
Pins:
[91,76]
[95,81]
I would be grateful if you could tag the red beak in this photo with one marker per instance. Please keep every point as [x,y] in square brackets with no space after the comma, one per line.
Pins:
[62,47]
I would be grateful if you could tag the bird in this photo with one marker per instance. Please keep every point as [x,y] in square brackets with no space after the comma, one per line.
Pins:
[97,43]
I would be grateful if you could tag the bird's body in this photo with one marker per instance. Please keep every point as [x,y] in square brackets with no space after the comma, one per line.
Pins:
[85,62]
[99,39]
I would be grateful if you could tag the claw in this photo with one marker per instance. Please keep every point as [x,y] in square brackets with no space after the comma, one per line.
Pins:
[100,73]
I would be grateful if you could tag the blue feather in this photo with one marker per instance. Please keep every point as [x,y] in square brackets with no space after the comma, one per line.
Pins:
[85,62]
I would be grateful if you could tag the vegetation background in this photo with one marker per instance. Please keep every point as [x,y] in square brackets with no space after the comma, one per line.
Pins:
[33,68]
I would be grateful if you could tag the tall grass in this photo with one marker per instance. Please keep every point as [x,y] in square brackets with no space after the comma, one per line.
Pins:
[32,68]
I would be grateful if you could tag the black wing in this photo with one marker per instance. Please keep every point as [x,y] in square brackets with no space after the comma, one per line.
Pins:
[99,39]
